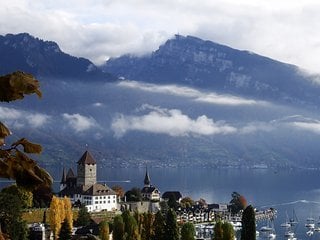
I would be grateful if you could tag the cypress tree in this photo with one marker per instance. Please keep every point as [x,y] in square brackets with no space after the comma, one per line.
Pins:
[83,216]
[218,231]
[118,228]
[187,231]
[228,231]
[172,230]
[248,231]
[65,231]
[104,230]
[159,227]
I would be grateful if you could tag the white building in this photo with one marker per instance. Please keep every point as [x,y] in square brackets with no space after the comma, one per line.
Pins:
[84,188]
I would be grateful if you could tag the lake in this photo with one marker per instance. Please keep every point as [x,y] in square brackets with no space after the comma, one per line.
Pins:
[284,190]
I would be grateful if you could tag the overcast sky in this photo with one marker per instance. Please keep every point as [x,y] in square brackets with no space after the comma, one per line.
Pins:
[286,30]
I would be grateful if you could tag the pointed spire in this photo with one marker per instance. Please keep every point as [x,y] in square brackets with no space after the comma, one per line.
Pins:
[64,177]
[147,178]
[86,159]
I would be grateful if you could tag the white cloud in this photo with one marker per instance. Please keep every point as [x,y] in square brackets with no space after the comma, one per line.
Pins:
[78,122]
[171,122]
[312,127]
[99,29]
[20,118]
[196,95]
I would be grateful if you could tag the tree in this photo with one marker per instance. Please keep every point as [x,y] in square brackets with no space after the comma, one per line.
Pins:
[172,201]
[11,222]
[65,231]
[68,211]
[104,230]
[55,216]
[218,231]
[159,227]
[25,196]
[237,203]
[228,231]
[187,231]
[248,231]
[172,230]
[83,216]
[14,161]
[133,195]
[132,231]
[119,191]
[147,226]
[118,228]
[42,196]
[186,202]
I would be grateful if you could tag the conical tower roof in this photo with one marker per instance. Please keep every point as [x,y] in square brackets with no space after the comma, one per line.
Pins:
[86,159]
[147,178]
[70,174]
[64,177]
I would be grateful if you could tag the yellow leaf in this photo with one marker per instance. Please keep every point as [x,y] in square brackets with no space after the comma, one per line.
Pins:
[4,131]
[28,147]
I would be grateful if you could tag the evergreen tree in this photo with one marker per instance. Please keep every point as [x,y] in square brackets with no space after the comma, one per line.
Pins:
[104,230]
[132,231]
[147,226]
[187,231]
[228,231]
[248,231]
[172,230]
[11,216]
[159,227]
[118,228]
[83,216]
[218,231]
[65,231]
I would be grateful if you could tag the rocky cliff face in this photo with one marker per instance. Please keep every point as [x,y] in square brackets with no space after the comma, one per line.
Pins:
[204,64]
[43,59]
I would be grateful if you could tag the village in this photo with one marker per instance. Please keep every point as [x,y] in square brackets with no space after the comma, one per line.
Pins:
[83,189]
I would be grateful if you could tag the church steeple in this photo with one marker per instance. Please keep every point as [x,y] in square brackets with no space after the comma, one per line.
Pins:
[147,181]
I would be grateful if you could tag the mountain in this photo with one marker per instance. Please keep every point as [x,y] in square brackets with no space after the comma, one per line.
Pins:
[194,103]
[204,64]
[44,59]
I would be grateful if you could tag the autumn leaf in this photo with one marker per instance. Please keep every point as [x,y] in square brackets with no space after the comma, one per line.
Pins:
[15,85]
[28,147]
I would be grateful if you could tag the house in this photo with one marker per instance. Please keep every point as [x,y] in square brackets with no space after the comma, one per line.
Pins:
[83,187]
[149,192]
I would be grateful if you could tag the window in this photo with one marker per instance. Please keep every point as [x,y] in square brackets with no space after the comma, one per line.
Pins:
[96,202]
[108,201]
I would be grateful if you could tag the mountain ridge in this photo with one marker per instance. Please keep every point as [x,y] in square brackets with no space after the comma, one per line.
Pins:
[195,62]
[44,59]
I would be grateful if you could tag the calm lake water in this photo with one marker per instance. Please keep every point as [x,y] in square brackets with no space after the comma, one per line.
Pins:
[283,190]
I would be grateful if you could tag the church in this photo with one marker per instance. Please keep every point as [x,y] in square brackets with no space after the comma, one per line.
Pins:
[83,187]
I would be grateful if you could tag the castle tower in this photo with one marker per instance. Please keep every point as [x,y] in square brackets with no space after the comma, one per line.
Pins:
[147,182]
[87,170]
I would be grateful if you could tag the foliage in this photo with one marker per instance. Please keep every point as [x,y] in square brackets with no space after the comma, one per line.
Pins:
[172,201]
[159,227]
[147,226]
[83,216]
[42,196]
[119,191]
[187,231]
[218,231]
[133,195]
[104,230]
[131,227]
[248,231]
[14,162]
[68,211]
[228,231]
[186,202]
[11,216]
[118,228]
[65,231]
[171,230]
[60,211]
[24,195]
[237,203]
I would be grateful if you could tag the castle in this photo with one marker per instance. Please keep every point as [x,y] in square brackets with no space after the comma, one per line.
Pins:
[83,187]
